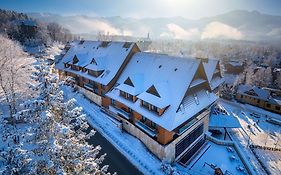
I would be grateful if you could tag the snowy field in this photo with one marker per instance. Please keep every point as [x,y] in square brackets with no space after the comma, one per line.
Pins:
[214,155]
[256,131]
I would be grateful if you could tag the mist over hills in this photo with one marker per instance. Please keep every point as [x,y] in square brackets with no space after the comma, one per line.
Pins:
[236,25]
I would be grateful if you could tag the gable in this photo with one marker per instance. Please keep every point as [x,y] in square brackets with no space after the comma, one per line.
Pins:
[251,92]
[129,82]
[199,77]
[93,61]
[75,59]
[152,90]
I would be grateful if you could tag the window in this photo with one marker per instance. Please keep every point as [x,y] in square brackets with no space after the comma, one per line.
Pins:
[130,97]
[130,110]
[189,139]
[66,65]
[113,102]
[145,104]
[143,119]
[277,108]
[123,94]
[258,100]
[84,69]
[154,108]
[268,105]
[153,125]
[242,96]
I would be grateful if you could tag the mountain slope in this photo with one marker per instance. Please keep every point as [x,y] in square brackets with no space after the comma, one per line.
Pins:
[239,24]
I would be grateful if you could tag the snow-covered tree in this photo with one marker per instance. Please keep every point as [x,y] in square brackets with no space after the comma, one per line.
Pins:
[263,77]
[249,78]
[278,82]
[14,72]
[60,137]
[48,135]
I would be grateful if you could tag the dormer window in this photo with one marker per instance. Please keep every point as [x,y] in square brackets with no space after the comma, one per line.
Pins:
[66,65]
[152,108]
[84,69]
[127,96]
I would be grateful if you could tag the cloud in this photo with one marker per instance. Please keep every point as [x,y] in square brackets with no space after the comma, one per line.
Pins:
[177,32]
[83,24]
[217,30]
[276,32]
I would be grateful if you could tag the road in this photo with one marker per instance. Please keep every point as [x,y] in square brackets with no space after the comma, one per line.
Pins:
[117,162]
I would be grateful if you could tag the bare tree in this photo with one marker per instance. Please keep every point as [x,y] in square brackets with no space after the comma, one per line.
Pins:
[13,72]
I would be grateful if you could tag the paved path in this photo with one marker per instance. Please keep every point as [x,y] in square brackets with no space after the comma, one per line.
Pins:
[116,161]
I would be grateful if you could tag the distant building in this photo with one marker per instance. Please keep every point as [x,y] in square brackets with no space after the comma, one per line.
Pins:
[144,43]
[258,97]
[234,67]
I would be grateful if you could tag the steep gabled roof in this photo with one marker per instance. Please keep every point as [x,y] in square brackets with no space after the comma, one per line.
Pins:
[210,68]
[97,56]
[170,77]
[260,93]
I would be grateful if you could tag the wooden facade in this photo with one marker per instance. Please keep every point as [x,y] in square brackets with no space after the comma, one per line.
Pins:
[269,103]
[138,124]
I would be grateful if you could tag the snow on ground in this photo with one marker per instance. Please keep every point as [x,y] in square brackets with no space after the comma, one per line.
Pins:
[271,159]
[54,50]
[128,145]
[257,128]
[256,131]
[138,154]
[220,156]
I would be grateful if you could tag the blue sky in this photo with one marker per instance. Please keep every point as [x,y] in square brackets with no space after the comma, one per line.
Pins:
[192,9]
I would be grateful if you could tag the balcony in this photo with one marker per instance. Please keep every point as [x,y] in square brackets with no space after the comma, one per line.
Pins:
[201,115]
[120,112]
[150,131]
[89,86]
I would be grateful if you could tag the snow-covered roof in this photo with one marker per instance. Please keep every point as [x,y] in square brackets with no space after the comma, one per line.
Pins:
[210,68]
[274,101]
[170,77]
[95,56]
[219,119]
[261,93]
[235,63]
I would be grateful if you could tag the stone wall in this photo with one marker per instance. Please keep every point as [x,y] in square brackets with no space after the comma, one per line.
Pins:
[164,152]
[91,96]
